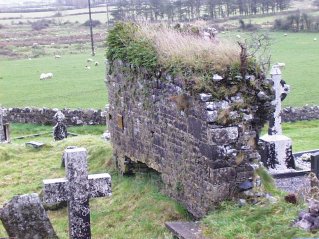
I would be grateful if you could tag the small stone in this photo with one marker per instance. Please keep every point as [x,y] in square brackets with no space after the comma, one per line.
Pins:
[205,97]
[217,77]
[246,186]
[242,202]
[212,116]
[262,96]
[106,136]
[304,224]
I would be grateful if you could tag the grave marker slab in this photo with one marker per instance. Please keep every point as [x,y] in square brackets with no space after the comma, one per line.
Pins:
[24,217]
[34,144]
[185,230]
[77,188]
[277,148]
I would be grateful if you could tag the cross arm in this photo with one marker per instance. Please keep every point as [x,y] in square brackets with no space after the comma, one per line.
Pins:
[100,185]
[55,190]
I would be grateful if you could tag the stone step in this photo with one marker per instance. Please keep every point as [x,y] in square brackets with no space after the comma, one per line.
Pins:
[185,230]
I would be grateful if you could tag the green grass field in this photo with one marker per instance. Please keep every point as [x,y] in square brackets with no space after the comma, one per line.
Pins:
[72,86]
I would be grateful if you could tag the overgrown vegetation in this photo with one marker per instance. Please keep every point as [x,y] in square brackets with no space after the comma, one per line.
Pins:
[166,48]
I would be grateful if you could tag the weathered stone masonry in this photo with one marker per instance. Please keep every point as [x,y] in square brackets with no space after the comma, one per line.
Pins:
[45,116]
[201,162]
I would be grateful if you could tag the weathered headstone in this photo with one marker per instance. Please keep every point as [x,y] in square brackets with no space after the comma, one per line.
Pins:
[315,163]
[24,217]
[59,130]
[4,129]
[77,188]
[277,148]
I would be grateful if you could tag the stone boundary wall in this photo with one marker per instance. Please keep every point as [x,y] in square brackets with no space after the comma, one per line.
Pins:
[44,116]
[95,117]
[291,114]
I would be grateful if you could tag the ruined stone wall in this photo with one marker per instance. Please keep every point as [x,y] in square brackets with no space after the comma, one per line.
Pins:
[201,158]
[44,116]
[291,114]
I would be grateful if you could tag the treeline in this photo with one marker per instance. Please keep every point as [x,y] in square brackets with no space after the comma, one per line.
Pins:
[298,22]
[183,10]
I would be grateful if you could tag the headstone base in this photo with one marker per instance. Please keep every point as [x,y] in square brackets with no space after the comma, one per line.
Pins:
[276,153]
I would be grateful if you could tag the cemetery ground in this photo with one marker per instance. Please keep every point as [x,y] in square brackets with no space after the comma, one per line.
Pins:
[137,209]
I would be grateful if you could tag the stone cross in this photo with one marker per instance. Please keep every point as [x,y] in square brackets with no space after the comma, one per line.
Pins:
[276,153]
[281,91]
[77,188]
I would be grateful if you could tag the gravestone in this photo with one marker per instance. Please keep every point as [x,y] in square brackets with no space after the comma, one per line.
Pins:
[24,217]
[315,163]
[59,130]
[277,148]
[77,188]
[4,128]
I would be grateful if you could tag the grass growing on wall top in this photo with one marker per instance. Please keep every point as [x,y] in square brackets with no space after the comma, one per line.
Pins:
[156,45]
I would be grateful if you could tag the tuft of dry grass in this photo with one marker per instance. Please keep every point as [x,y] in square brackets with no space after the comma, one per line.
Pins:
[189,50]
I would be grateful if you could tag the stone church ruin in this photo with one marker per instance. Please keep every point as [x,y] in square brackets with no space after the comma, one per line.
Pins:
[194,116]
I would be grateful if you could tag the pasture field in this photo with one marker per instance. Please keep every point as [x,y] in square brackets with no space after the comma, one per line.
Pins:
[72,86]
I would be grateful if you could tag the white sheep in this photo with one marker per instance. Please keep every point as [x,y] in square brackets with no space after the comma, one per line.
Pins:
[238,36]
[285,34]
[87,67]
[315,39]
[89,60]
[57,56]
[96,63]
[46,76]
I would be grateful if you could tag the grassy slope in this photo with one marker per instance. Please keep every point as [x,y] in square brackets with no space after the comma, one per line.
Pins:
[135,210]
[72,86]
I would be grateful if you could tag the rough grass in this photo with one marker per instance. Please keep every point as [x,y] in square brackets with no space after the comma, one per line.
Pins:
[174,47]
[251,222]
[135,210]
